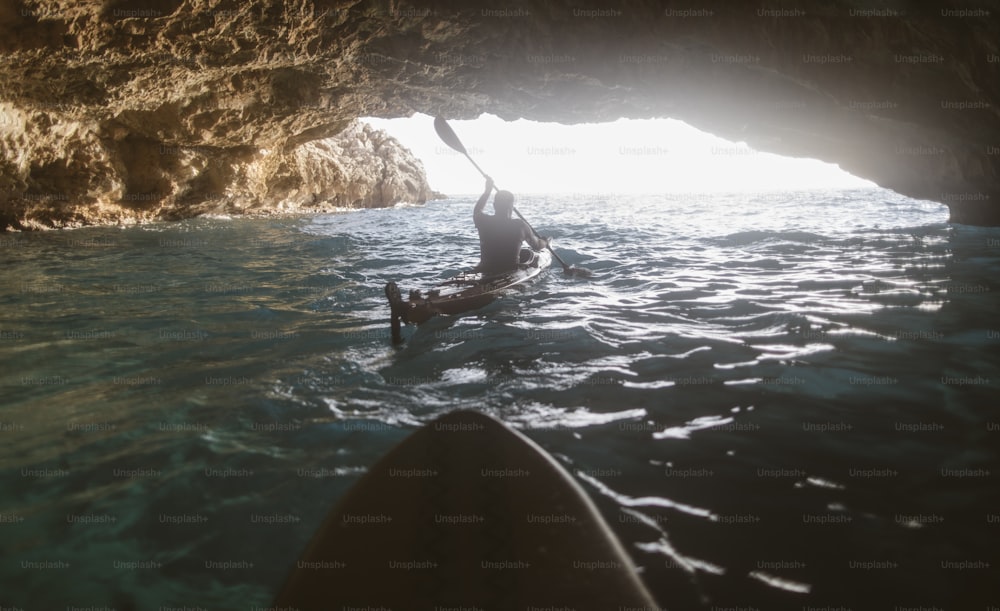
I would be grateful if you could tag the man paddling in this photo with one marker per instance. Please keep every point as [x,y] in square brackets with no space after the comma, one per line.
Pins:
[500,236]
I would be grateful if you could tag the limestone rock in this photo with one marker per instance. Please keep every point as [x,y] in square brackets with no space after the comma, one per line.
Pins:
[127,180]
[123,110]
[361,167]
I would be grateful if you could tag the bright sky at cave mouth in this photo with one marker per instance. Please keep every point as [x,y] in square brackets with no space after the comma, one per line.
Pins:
[624,156]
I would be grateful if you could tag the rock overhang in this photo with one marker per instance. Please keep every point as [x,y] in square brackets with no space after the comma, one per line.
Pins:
[902,95]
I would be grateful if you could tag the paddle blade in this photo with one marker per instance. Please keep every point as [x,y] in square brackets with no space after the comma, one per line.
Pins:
[448,136]
[579,272]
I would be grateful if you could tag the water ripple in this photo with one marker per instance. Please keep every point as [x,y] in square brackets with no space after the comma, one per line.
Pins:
[729,359]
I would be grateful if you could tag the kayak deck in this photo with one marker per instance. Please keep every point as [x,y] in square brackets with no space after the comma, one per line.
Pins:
[465,292]
[466,513]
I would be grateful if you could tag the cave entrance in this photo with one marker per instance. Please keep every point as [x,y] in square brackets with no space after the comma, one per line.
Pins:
[669,160]
[624,156]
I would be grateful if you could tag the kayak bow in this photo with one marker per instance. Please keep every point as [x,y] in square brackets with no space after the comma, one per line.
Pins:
[466,513]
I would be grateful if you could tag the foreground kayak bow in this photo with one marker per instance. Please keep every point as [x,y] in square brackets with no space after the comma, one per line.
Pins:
[465,513]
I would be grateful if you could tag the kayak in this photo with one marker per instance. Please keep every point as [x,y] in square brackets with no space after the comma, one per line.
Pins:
[465,292]
[466,513]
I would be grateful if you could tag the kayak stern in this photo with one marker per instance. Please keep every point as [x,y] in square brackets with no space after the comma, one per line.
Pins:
[466,292]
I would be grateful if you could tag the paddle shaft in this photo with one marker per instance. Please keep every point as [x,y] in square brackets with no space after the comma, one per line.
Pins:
[519,215]
[448,135]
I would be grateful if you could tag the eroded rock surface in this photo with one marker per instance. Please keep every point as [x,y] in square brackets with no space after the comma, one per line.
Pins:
[131,109]
[69,174]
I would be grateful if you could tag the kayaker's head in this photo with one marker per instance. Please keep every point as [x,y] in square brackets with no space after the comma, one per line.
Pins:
[503,203]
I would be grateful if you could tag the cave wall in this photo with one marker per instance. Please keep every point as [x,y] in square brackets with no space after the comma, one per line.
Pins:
[131,109]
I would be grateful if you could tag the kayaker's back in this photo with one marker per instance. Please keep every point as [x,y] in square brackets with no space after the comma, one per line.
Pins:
[499,242]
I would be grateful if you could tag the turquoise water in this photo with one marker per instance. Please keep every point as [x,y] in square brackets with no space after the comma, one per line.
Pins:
[771,397]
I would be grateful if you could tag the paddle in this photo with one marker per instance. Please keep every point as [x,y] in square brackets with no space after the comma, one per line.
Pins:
[448,135]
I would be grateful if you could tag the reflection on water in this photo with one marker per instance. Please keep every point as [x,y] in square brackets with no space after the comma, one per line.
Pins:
[757,391]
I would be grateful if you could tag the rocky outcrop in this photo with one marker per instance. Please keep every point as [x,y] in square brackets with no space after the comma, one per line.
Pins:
[72,176]
[360,167]
[132,109]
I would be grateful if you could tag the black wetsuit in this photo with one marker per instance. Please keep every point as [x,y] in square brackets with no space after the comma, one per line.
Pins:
[499,242]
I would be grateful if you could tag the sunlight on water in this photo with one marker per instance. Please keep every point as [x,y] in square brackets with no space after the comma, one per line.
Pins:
[735,358]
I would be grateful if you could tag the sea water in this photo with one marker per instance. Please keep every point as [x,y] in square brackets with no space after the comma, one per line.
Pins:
[777,400]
